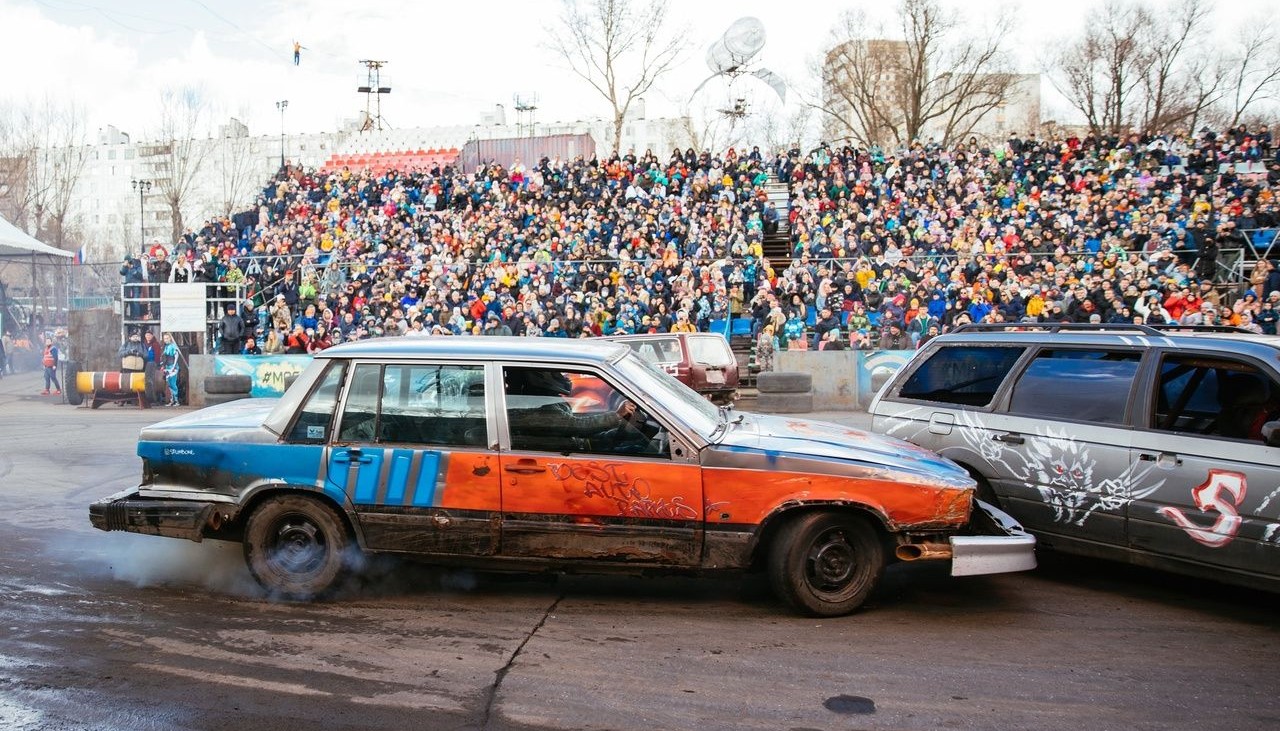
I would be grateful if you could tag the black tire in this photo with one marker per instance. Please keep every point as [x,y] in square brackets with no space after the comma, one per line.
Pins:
[214,399]
[784,403]
[150,391]
[228,384]
[296,547]
[826,564]
[784,382]
[74,397]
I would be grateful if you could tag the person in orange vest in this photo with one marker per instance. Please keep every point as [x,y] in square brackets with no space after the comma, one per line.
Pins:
[50,362]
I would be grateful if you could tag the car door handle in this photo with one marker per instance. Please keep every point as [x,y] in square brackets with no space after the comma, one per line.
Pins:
[1009,438]
[526,467]
[352,455]
[1161,459]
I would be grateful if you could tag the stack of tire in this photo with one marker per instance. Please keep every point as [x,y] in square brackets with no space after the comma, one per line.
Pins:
[221,389]
[783,392]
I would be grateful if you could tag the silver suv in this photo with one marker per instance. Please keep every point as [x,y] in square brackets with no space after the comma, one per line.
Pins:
[1156,446]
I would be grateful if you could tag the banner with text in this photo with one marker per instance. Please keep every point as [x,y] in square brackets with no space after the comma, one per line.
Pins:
[267,371]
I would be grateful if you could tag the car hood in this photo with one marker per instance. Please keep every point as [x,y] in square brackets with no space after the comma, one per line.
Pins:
[780,436]
[239,420]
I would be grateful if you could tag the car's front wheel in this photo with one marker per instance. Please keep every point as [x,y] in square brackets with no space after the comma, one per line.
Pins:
[826,564]
[296,547]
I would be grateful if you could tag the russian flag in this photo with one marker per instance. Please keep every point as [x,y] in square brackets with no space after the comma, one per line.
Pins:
[79,257]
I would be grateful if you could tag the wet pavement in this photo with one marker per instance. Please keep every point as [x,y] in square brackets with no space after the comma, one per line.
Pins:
[117,631]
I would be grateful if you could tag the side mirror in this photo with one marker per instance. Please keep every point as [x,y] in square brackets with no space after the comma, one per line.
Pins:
[1271,433]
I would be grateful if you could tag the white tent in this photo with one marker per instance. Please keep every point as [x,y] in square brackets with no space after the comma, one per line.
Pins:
[14,243]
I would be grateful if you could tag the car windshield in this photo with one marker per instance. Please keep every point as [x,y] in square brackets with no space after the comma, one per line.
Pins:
[686,404]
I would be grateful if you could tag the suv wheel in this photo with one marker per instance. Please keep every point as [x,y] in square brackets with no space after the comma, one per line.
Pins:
[826,564]
[296,547]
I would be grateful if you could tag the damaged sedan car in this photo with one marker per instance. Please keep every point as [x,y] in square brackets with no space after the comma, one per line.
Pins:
[570,456]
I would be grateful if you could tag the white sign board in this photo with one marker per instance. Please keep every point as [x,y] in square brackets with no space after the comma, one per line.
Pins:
[182,307]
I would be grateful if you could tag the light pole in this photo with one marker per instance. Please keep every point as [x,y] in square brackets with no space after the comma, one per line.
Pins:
[282,105]
[142,186]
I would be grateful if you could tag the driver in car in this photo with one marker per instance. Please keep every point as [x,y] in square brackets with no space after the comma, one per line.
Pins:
[551,416]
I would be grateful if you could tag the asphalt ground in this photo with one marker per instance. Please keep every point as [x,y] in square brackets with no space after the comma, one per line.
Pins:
[112,631]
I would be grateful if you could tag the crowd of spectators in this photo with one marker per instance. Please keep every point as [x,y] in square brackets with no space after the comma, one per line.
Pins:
[887,248]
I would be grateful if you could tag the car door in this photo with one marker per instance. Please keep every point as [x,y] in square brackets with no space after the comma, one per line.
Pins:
[1209,482]
[1064,441]
[581,482]
[413,454]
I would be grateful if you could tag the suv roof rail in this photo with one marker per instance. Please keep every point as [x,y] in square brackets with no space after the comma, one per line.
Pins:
[1053,327]
[1203,328]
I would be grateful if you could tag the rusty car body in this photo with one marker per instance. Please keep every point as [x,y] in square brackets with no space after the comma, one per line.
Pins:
[535,454]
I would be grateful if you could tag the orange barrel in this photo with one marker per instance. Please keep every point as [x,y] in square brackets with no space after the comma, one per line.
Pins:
[111,381]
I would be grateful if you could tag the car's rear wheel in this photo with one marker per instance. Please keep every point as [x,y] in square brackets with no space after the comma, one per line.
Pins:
[296,547]
[826,564]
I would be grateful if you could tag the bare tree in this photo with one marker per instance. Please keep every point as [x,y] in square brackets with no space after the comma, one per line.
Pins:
[1103,70]
[1254,69]
[62,159]
[237,173]
[42,157]
[1137,68]
[1175,53]
[17,145]
[619,47]
[180,149]
[938,75]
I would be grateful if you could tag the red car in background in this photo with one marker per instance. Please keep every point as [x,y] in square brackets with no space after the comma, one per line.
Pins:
[701,361]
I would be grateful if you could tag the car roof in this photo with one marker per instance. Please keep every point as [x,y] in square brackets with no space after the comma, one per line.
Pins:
[483,347]
[1262,346]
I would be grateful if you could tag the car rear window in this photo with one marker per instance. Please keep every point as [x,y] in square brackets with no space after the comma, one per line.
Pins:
[1081,385]
[712,350]
[965,375]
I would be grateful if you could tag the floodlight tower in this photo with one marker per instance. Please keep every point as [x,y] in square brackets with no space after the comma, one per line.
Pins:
[526,105]
[373,89]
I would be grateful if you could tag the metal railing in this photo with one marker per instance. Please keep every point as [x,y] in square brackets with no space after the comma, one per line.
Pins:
[141,307]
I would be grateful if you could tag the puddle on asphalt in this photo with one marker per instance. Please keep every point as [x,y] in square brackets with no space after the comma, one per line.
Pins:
[849,704]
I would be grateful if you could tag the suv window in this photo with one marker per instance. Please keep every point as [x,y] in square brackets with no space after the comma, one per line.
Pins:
[312,425]
[1214,397]
[1082,385]
[966,375]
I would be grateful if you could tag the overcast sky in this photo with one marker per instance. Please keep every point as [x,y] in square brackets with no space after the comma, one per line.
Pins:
[448,62]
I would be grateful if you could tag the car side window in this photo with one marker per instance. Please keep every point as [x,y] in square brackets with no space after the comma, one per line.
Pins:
[1216,397]
[433,404]
[963,375]
[553,410]
[1081,385]
[316,414]
[360,414]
